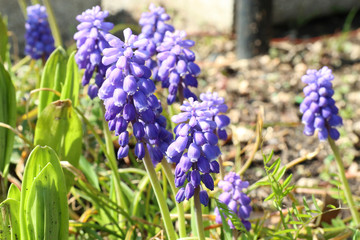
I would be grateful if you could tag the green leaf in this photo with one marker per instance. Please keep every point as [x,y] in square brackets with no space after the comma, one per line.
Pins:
[38,159]
[59,127]
[262,183]
[47,211]
[9,224]
[280,174]
[72,81]
[271,196]
[89,172]
[8,116]
[14,192]
[53,77]
[287,181]
[3,40]
[316,205]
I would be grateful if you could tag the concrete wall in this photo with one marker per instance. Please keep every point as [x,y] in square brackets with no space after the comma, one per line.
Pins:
[210,16]
[217,15]
[65,12]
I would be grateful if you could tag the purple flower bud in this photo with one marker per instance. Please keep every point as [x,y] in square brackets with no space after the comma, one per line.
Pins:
[123,152]
[180,195]
[130,85]
[214,167]
[222,121]
[140,150]
[244,211]
[246,224]
[151,131]
[129,112]
[203,164]
[194,152]
[180,180]
[189,191]
[225,197]
[195,178]
[140,101]
[204,198]
[120,125]
[119,97]
[222,134]
[148,116]
[208,181]
[181,143]
[211,138]
[124,138]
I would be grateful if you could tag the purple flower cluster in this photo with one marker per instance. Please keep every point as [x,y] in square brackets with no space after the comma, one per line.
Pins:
[234,197]
[176,68]
[128,98]
[39,40]
[154,27]
[194,150]
[318,108]
[90,41]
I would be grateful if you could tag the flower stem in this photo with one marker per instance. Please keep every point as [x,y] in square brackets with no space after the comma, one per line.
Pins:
[198,214]
[159,196]
[345,183]
[52,22]
[120,198]
[180,207]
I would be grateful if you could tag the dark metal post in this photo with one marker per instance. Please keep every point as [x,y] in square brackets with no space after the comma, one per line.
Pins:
[252,27]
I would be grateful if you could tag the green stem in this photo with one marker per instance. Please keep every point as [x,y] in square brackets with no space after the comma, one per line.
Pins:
[345,183]
[171,113]
[52,22]
[22,4]
[159,196]
[198,214]
[113,165]
[110,155]
[179,206]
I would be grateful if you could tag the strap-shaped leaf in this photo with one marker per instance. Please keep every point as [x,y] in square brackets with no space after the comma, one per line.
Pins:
[14,193]
[3,40]
[72,81]
[53,77]
[9,224]
[38,159]
[47,213]
[8,116]
[59,127]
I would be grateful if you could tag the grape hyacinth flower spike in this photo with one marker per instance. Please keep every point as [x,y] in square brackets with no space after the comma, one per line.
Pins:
[318,108]
[90,41]
[128,98]
[320,113]
[234,197]
[39,40]
[153,27]
[177,70]
[194,150]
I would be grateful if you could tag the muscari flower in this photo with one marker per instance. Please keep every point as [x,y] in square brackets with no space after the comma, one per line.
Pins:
[177,70]
[234,197]
[39,40]
[318,108]
[217,106]
[154,27]
[129,100]
[194,150]
[90,41]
